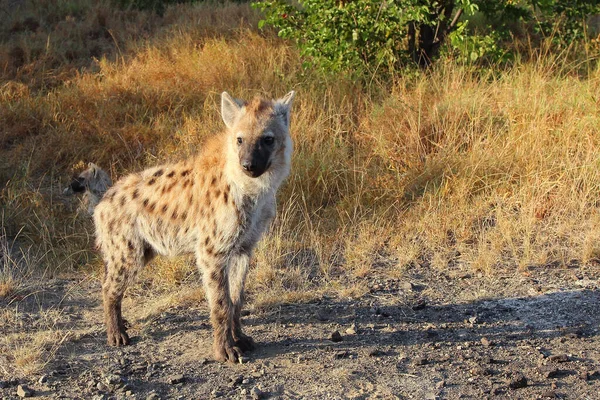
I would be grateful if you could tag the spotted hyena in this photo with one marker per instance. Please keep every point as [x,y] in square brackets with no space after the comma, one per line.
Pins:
[215,205]
[93,183]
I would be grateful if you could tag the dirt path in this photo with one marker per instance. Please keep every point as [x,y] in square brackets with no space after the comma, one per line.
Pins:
[416,338]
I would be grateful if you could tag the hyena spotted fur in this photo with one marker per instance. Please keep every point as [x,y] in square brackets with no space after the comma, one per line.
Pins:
[215,205]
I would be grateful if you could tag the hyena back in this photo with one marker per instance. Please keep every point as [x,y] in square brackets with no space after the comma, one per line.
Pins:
[215,205]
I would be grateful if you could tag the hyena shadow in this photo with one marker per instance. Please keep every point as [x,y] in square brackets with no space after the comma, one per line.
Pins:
[364,328]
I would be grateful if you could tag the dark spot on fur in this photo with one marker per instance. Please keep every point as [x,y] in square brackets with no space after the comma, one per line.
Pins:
[135,194]
[158,173]
[152,207]
[191,199]
[146,201]
[210,250]
[213,181]
[186,172]
[170,174]
[207,241]
[130,245]
[122,201]
[123,260]
[151,182]
[186,183]
[217,194]
[174,215]
[215,275]
[225,197]
[168,188]
[165,208]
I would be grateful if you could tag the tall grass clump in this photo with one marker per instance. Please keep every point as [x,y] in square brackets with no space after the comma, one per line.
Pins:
[492,170]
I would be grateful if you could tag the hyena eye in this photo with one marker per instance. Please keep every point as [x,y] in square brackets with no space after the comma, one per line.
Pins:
[268,140]
[240,140]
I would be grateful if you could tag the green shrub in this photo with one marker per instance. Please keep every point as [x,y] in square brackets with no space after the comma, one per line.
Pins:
[379,36]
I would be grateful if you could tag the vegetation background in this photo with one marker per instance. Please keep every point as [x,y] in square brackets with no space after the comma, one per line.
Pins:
[486,156]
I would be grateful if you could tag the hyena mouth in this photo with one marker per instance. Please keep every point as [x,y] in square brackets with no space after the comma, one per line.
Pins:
[255,171]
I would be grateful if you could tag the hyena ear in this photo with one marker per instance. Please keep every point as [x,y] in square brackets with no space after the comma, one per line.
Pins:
[94,168]
[284,105]
[230,109]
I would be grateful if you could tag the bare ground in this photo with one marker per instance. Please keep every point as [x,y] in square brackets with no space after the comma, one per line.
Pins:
[429,335]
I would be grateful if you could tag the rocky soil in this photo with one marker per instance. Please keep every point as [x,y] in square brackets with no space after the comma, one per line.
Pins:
[429,335]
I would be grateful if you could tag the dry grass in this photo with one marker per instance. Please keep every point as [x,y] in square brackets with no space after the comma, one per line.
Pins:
[452,168]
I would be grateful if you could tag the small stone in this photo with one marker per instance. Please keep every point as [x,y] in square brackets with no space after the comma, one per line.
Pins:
[473,320]
[256,393]
[481,371]
[244,360]
[420,361]
[101,387]
[152,396]
[440,385]
[342,354]
[113,379]
[549,394]
[43,379]
[129,393]
[486,342]
[203,361]
[549,371]
[24,391]
[236,380]
[408,286]
[176,379]
[518,381]
[246,381]
[421,304]
[336,337]
[559,358]
[351,330]
[376,353]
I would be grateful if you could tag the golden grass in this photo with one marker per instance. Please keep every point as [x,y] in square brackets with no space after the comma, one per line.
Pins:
[449,168]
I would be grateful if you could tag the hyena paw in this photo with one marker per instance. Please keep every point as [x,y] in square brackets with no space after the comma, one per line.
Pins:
[227,352]
[245,342]
[118,337]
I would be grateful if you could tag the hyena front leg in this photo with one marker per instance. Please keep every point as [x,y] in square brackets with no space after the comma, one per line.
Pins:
[221,309]
[121,268]
[238,269]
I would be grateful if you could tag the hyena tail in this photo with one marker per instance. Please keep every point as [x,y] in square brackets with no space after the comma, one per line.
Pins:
[92,183]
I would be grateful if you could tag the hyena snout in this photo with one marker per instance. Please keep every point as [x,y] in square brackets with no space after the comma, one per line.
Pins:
[255,160]
[78,185]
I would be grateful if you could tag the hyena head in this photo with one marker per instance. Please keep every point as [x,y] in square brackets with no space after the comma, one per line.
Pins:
[94,179]
[258,132]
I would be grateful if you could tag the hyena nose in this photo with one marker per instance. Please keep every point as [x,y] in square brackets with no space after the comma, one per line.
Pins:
[248,166]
